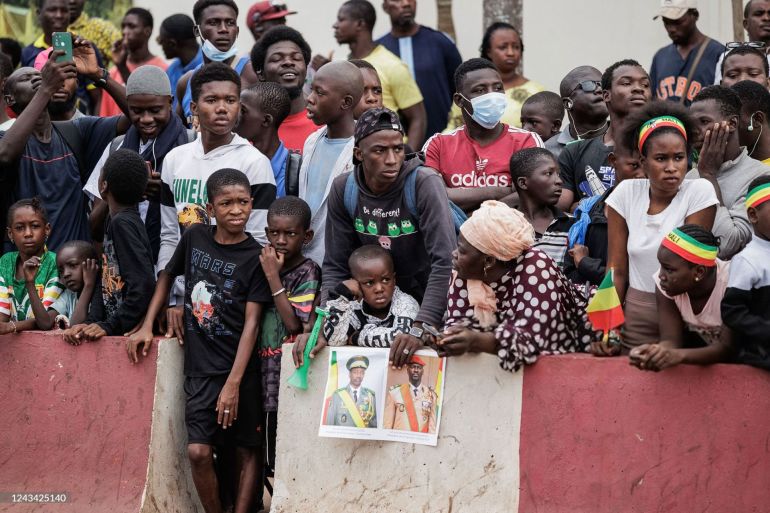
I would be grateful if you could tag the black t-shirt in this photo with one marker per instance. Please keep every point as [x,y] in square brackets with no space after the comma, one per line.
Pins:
[50,170]
[585,167]
[219,281]
[128,274]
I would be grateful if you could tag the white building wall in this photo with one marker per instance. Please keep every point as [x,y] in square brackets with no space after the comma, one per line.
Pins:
[559,34]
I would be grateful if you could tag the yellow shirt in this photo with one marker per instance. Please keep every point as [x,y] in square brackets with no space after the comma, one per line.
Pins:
[512,116]
[399,90]
[766,162]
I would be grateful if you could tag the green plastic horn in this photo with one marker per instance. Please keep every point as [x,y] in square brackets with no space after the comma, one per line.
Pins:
[299,378]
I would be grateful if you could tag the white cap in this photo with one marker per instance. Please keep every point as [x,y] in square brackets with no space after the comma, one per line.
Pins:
[675,9]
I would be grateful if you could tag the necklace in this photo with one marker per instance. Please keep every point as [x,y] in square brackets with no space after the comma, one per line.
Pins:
[591,132]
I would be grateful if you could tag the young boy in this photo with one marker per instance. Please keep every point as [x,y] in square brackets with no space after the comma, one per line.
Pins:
[128,272]
[372,97]
[78,265]
[264,106]
[294,283]
[586,260]
[216,91]
[225,290]
[746,303]
[543,113]
[328,152]
[535,175]
[370,310]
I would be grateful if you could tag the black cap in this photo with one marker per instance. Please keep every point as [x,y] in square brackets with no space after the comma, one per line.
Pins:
[374,120]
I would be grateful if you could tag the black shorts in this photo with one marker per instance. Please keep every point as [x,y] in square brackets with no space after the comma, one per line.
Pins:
[201,416]
[271,421]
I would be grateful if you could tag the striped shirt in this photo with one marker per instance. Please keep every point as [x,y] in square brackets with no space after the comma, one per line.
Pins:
[14,300]
[554,242]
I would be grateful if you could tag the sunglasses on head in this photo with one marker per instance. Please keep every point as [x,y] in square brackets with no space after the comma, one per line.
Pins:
[732,45]
[588,86]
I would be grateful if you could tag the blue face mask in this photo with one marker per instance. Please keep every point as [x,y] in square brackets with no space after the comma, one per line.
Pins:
[216,55]
[488,109]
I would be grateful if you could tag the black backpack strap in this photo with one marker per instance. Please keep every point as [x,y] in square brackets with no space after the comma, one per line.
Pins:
[115,144]
[72,136]
[293,163]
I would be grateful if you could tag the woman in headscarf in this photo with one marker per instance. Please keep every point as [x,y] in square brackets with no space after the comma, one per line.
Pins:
[508,298]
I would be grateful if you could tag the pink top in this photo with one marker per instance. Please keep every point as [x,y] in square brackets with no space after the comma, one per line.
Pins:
[708,323]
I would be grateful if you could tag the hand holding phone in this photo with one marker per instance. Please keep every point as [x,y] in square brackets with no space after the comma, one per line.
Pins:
[62,41]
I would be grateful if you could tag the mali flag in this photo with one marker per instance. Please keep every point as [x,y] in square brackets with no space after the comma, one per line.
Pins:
[604,309]
[331,383]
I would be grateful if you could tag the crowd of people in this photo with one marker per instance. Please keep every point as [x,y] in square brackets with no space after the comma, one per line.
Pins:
[222,197]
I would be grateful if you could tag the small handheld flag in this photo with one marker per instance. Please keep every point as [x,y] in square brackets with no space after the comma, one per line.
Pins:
[299,378]
[331,383]
[604,309]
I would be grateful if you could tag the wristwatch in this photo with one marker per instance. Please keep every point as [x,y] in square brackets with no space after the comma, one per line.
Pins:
[102,80]
[419,331]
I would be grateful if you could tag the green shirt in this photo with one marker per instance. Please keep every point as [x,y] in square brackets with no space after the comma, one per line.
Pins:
[14,300]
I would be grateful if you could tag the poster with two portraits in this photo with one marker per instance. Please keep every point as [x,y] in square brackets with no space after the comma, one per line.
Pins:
[366,399]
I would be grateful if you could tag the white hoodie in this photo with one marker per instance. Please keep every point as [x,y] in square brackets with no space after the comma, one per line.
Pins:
[185,171]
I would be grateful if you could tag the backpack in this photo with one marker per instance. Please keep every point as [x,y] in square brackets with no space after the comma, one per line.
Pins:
[350,199]
[293,163]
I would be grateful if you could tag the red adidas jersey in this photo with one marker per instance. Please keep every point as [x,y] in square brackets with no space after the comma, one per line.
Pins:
[465,163]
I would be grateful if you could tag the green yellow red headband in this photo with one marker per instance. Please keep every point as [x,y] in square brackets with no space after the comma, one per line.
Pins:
[757,195]
[657,123]
[690,249]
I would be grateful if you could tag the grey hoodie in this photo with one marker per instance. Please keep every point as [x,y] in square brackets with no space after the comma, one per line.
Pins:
[422,251]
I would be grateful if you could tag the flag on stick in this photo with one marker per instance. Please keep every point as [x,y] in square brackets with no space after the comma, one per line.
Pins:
[604,310]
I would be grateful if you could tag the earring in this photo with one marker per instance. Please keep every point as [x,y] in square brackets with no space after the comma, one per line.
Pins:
[486,268]
[697,279]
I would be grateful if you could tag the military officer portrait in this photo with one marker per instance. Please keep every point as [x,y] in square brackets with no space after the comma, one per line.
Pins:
[353,405]
[411,406]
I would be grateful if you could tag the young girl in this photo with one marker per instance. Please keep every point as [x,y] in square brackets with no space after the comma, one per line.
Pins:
[29,281]
[642,212]
[691,284]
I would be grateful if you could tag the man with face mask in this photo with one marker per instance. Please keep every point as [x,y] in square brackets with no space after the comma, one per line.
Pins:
[216,24]
[474,159]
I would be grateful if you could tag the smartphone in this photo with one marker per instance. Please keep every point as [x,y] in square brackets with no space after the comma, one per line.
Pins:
[62,41]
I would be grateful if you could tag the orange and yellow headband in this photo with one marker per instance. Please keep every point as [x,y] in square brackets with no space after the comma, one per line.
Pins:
[657,123]
[690,249]
[757,195]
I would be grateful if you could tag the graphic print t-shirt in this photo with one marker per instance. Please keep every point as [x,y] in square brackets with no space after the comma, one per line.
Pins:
[585,168]
[219,281]
[465,163]
[302,284]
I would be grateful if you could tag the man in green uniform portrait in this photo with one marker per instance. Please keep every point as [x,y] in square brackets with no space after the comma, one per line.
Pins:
[353,405]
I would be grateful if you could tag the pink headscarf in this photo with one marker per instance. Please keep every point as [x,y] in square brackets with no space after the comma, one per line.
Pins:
[496,230]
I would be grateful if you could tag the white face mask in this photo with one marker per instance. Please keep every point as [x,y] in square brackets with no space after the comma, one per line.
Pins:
[488,109]
[216,55]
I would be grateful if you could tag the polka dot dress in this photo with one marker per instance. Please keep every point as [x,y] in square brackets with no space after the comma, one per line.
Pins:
[539,311]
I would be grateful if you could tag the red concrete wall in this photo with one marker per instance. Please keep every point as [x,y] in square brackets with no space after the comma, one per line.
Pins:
[75,420]
[599,436]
